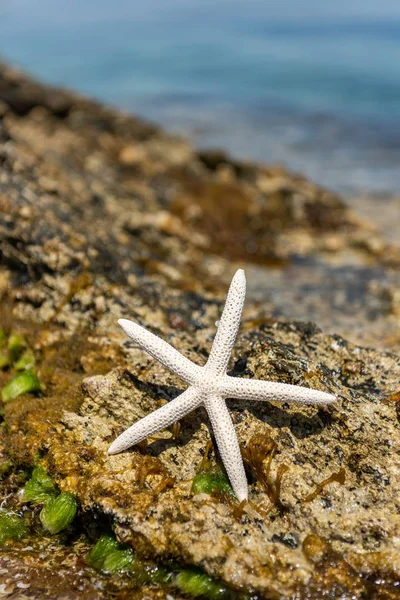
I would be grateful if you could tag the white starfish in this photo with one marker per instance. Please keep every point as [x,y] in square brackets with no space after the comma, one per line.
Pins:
[210,386]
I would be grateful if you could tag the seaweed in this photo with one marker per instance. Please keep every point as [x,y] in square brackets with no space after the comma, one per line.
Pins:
[195,583]
[111,557]
[104,545]
[334,577]
[26,361]
[15,346]
[23,383]
[59,510]
[338,477]
[40,488]
[211,478]
[12,526]
[211,482]
[58,513]
[257,457]
[153,466]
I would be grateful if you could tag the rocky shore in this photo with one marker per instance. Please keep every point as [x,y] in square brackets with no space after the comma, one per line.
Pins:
[104,216]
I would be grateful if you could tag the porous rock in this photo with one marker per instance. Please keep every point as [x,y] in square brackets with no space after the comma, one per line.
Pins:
[102,217]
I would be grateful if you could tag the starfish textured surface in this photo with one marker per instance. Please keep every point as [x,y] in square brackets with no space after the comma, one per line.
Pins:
[210,386]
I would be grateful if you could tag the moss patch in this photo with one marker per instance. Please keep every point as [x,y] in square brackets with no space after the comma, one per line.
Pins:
[23,383]
[40,488]
[12,526]
[58,513]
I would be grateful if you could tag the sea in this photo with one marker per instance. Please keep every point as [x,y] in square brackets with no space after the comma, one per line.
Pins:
[309,84]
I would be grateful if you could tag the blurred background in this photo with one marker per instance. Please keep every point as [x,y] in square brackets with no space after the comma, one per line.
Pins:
[313,85]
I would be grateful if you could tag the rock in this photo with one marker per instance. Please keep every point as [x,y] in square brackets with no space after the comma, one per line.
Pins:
[176,219]
[131,155]
[104,216]
[338,492]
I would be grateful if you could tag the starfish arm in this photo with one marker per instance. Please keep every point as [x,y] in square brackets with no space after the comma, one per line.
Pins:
[159,419]
[228,444]
[256,389]
[228,325]
[161,351]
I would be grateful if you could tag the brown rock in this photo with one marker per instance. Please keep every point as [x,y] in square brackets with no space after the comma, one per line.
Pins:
[87,237]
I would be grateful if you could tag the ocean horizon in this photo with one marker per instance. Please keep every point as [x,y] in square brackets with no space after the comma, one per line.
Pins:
[318,91]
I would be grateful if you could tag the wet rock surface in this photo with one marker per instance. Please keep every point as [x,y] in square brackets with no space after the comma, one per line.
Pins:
[48,569]
[263,546]
[103,216]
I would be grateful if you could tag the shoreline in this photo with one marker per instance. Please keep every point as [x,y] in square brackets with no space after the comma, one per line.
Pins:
[352,155]
[343,154]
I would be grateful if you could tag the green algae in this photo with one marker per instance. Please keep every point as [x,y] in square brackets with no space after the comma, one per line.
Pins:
[12,526]
[211,478]
[25,362]
[118,561]
[15,352]
[40,488]
[58,513]
[4,360]
[15,346]
[210,482]
[159,575]
[104,546]
[23,383]
[110,556]
[197,583]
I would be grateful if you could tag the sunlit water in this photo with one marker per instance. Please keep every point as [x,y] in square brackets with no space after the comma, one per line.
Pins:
[315,88]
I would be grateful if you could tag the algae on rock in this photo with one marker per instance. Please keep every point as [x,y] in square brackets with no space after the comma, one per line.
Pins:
[136,226]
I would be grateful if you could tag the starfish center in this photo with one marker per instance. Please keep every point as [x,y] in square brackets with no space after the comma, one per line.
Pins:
[209,384]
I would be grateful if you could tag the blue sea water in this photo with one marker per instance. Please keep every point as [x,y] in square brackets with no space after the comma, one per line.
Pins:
[313,85]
